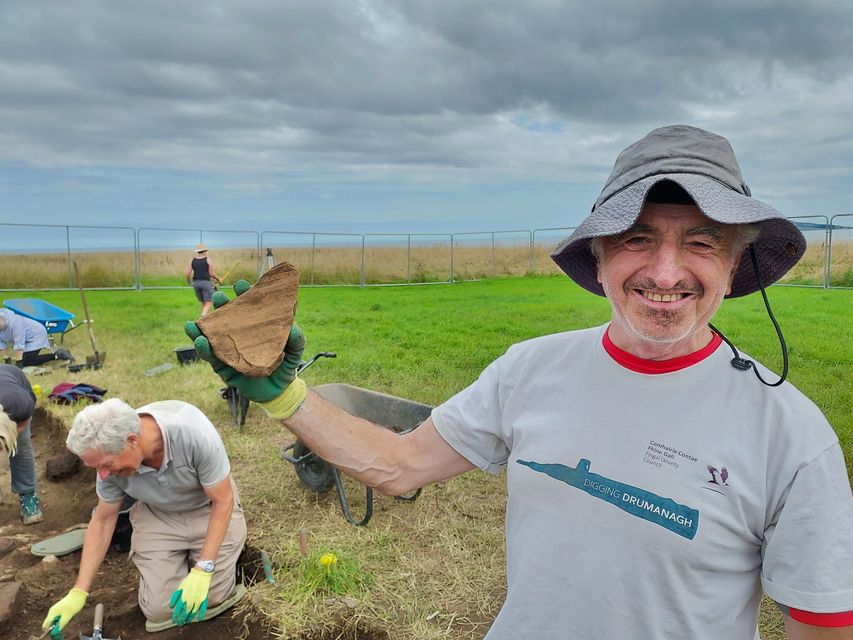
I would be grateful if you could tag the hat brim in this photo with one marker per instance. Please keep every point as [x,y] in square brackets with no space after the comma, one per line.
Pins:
[778,247]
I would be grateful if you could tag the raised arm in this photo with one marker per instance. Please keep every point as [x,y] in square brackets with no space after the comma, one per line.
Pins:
[393,464]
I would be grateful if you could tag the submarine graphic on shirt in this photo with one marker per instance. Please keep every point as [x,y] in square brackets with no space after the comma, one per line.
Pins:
[656,509]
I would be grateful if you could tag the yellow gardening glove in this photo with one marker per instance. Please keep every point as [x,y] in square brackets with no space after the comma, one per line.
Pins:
[62,612]
[190,598]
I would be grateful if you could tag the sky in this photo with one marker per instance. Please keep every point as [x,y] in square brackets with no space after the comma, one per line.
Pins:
[396,116]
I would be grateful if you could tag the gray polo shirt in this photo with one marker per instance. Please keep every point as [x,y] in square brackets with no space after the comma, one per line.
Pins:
[193,458]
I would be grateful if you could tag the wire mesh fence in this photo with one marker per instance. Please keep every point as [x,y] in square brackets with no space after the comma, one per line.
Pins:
[42,257]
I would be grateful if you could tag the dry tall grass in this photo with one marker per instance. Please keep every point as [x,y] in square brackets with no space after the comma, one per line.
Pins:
[343,265]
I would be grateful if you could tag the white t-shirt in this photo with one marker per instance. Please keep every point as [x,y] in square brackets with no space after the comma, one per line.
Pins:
[654,506]
[193,458]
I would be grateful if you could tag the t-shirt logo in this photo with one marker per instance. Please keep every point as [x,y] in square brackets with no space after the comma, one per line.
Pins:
[665,512]
[723,475]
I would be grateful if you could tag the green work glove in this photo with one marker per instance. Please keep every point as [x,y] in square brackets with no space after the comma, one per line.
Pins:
[190,598]
[62,612]
[281,392]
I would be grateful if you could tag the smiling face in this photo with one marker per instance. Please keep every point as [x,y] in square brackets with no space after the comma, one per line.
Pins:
[665,277]
[124,464]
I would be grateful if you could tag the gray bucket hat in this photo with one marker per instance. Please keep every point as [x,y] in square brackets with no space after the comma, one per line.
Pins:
[704,165]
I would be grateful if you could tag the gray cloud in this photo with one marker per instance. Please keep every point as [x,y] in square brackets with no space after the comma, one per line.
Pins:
[437,92]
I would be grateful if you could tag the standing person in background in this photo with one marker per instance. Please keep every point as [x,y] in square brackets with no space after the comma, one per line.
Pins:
[27,338]
[17,404]
[199,274]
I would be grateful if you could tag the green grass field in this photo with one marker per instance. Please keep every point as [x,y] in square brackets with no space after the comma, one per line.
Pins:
[434,567]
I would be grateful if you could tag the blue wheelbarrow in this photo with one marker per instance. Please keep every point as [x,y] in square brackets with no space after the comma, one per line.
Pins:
[391,412]
[55,320]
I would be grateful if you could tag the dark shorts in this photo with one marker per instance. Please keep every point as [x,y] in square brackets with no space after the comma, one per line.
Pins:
[203,290]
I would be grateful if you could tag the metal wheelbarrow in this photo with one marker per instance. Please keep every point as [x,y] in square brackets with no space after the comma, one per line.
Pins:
[391,412]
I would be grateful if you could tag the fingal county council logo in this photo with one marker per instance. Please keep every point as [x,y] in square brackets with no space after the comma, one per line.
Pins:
[719,477]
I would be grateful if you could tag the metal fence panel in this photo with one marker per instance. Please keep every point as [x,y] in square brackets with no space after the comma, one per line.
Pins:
[491,253]
[40,257]
[34,256]
[165,254]
[320,258]
[839,267]
[544,242]
[105,256]
[811,269]
[413,258]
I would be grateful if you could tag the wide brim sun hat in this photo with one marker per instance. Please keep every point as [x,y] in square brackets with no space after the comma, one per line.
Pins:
[200,248]
[704,165]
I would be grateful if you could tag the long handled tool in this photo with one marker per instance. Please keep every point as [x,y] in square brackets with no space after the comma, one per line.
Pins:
[54,632]
[228,273]
[98,627]
[98,358]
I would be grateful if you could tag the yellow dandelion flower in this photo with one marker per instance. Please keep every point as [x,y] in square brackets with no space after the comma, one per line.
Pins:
[328,561]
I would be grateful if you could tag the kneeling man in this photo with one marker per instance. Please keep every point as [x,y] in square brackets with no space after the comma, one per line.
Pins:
[188,526]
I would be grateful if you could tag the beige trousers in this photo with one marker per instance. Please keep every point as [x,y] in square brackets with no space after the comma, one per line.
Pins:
[165,545]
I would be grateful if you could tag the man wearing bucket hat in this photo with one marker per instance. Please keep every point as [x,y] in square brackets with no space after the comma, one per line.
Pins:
[200,275]
[655,485]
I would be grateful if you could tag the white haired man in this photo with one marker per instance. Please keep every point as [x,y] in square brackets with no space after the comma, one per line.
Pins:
[188,526]
[656,485]
[17,404]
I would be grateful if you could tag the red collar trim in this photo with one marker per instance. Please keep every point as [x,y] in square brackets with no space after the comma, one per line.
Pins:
[641,365]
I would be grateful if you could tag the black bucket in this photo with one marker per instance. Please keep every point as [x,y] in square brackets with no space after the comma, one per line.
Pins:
[186,355]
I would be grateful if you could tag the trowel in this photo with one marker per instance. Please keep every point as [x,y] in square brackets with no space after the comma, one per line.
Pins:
[98,627]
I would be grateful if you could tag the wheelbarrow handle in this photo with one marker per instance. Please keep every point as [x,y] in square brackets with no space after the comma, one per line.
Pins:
[307,363]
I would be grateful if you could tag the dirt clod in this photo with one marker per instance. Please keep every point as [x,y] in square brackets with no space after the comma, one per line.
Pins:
[62,466]
[249,333]
[6,545]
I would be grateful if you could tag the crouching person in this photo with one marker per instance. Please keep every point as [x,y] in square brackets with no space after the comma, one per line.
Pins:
[188,526]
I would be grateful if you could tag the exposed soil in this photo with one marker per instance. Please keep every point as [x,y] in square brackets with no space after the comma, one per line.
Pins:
[69,501]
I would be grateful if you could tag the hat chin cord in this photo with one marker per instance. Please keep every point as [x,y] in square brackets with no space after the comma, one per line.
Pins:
[744,364]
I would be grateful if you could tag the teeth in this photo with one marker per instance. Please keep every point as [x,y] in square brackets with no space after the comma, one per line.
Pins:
[667,297]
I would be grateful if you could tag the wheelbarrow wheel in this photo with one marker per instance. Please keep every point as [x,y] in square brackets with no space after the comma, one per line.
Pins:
[315,473]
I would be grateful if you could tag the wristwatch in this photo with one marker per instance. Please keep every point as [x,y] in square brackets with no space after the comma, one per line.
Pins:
[206,565]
